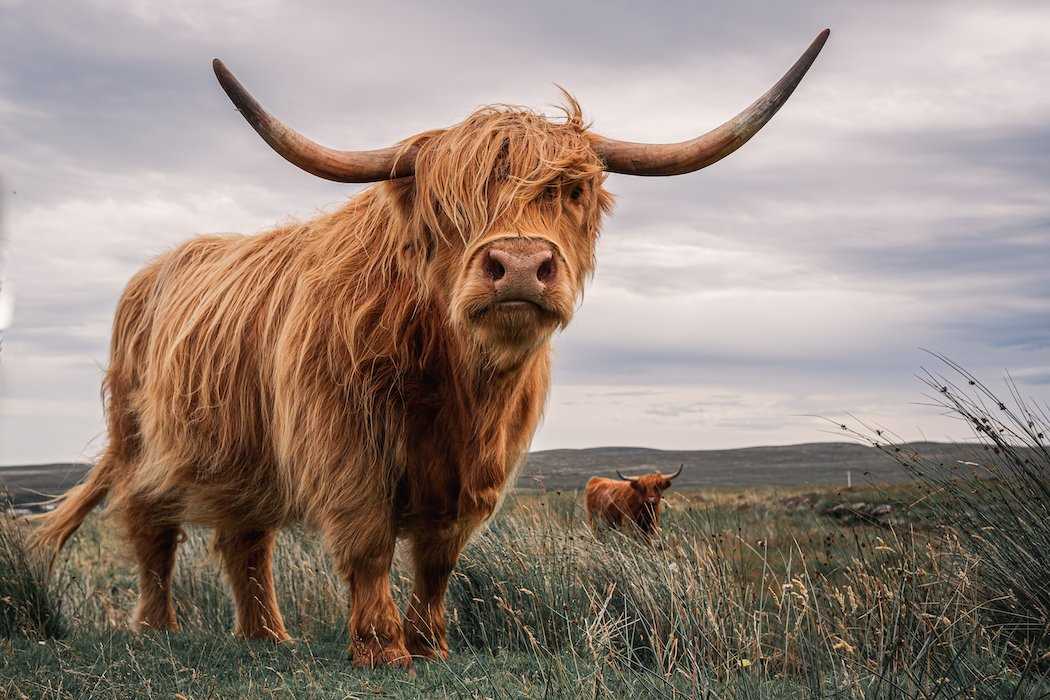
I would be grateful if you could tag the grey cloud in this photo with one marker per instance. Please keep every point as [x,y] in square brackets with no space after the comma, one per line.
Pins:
[677,410]
[1013,329]
[751,424]
[68,339]
[1035,378]
[635,393]
[907,176]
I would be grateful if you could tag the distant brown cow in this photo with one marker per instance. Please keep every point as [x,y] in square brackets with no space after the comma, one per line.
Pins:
[376,372]
[634,500]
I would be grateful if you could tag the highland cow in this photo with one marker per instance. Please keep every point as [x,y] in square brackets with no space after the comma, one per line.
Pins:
[375,373]
[631,502]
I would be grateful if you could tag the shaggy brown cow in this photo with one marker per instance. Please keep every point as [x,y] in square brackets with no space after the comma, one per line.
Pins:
[376,372]
[632,501]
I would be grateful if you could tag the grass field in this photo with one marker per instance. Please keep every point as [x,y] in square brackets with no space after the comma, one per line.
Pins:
[756,593]
[744,596]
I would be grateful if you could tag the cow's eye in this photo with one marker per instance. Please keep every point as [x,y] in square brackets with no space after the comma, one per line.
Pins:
[576,193]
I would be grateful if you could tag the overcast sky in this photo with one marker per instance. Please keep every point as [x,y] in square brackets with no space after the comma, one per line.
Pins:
[900,200]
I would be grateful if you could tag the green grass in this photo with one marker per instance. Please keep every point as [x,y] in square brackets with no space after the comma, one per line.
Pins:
[195,665]
[745,594]
[30,603]
[743,597]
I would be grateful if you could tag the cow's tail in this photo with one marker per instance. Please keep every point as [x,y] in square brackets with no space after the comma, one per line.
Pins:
[130,327]
[55,527]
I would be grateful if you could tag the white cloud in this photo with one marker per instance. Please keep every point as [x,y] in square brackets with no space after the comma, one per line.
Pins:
[716,416]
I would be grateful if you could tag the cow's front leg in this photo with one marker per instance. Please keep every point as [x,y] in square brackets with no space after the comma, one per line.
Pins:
[363,550]
[434,556]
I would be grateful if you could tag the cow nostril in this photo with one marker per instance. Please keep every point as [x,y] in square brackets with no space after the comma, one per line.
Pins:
[545,272]
[494,268]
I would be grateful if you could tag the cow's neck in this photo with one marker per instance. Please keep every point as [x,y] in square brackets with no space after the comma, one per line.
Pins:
[471,427]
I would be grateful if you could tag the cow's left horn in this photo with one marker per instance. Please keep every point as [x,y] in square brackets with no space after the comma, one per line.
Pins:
[341,166]
[677,158]
[625,478]
[674,476]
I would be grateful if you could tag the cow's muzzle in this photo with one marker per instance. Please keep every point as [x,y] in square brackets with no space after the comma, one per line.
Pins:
[520,274]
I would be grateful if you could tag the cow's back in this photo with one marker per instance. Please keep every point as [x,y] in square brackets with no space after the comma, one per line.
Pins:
[592,494]
[190,356]
[601,497]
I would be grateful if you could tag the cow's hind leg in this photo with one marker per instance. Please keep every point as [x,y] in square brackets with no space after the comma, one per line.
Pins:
[434,555]
[247,557]
[362,547]
[154,543]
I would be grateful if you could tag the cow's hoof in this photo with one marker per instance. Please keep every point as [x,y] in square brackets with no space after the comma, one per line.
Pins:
[422,649]
[140,626]
[372,654]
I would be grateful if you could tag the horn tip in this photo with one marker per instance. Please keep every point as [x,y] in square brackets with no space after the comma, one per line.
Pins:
[222,73]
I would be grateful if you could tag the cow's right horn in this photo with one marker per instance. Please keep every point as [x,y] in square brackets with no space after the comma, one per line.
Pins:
[625,478]
[340,166]
[674,476]
[632,158]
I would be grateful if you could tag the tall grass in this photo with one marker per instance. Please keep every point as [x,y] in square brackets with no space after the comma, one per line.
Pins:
[998,502]
[738,595]
[741,596]
[30,602]
[886,614]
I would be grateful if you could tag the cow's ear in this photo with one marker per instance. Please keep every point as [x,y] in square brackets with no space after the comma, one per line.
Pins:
[635,485]
[402,193]
[421,241]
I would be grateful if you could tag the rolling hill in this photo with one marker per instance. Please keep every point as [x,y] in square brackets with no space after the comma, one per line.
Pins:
[818,463]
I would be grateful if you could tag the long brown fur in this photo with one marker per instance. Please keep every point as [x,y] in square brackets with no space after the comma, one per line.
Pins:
[631,504]
[343,372]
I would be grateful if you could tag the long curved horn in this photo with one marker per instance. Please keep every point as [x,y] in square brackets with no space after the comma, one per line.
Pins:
[625,478]
[340,166]
[674,476]
[631,158]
